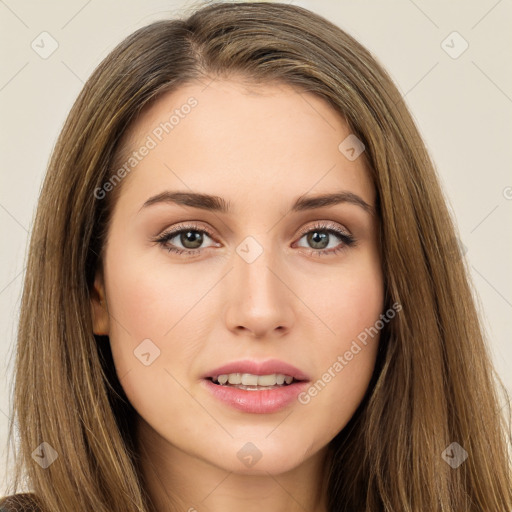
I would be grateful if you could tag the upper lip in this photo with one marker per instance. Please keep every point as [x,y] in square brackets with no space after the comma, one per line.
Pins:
[267,367]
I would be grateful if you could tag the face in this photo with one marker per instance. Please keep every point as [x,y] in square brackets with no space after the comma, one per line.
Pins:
[257,280]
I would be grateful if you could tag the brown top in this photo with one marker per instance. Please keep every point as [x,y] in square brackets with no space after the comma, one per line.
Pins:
[18,502]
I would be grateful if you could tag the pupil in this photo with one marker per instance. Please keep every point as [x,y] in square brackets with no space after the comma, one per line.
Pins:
[316,237]
[191,237]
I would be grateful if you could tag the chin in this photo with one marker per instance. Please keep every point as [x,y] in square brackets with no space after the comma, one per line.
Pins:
[262,455]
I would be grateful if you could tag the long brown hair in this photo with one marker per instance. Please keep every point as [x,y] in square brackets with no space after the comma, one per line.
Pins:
[433,383]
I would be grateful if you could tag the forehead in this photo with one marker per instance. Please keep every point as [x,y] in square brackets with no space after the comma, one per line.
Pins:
[242,137]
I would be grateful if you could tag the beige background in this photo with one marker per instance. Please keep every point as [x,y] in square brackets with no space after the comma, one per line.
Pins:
[463,107]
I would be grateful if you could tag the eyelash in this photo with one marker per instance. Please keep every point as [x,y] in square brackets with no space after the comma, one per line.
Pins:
[347,240]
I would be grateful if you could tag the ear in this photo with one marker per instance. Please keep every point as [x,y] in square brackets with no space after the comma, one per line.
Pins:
[100,318]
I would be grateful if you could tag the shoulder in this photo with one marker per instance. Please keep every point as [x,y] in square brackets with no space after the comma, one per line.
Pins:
[19,502]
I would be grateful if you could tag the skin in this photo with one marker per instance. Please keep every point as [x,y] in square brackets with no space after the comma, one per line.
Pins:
[259,148]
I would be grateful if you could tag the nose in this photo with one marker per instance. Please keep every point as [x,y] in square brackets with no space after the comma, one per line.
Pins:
[259,301]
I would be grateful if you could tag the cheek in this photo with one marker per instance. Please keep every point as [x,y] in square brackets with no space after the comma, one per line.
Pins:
[350,308]
[154,328]
[149,297]
[347,300]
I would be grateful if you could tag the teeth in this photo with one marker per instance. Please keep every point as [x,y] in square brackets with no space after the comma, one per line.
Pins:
[248,379]
[265,380]
[235,378]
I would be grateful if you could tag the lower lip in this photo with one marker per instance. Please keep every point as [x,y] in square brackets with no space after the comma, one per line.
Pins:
[258,402]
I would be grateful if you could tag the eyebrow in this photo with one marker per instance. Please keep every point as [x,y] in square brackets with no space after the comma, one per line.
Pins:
[219,204]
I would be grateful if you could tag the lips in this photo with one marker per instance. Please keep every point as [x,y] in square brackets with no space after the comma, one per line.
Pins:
[256,399]
[253,367]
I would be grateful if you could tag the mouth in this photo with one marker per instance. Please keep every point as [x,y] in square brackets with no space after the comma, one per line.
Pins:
[256,387]
[252,382]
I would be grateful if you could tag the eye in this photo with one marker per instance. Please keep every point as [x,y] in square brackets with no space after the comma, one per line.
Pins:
[190,236]
[321,238]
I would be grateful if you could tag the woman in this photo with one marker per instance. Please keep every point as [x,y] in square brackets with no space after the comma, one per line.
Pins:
[244,288]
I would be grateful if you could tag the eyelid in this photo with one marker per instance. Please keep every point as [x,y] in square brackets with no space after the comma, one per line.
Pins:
[325,225]
[193,225]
